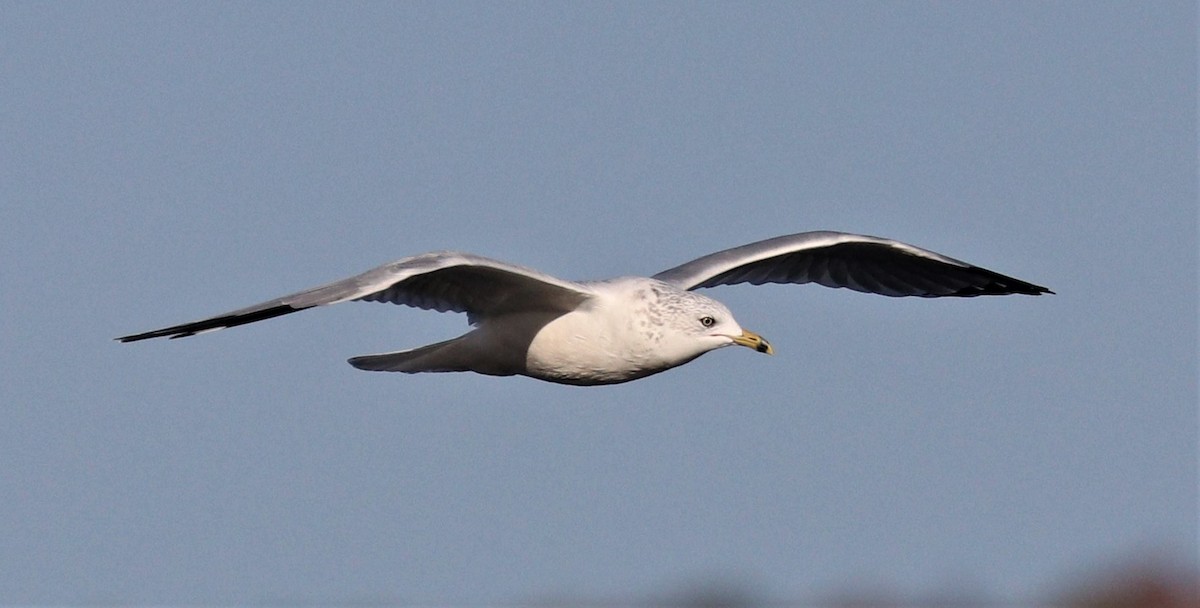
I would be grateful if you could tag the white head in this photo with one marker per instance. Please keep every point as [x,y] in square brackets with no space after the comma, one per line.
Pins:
[685,325]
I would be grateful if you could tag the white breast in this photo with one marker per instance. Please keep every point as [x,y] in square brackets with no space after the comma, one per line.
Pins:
[599,343]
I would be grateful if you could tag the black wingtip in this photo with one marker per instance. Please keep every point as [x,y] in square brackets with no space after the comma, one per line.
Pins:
[221,322]
[1000,285]
[1029,289]
[1024,289]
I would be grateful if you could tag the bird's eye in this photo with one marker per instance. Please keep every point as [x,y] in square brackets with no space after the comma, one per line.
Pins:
[707,321]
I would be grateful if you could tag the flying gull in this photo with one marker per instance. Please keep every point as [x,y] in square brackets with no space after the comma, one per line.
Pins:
[605,332]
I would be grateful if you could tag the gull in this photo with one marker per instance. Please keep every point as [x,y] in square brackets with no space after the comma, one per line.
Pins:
[605,332]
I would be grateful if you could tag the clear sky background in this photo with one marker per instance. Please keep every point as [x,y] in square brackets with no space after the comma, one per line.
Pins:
[162,162]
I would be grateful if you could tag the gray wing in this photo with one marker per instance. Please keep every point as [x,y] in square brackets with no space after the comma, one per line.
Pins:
[442,281]
[835,259]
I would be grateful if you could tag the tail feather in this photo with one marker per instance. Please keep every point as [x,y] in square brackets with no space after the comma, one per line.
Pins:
[438,357]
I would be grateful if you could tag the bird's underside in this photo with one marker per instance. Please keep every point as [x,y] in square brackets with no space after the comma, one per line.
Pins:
[527,322]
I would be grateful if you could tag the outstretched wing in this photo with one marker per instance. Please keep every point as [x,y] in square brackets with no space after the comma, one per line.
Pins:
[835,259]
[442,281]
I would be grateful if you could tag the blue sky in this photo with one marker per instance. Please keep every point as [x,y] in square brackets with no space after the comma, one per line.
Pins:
[167,161]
